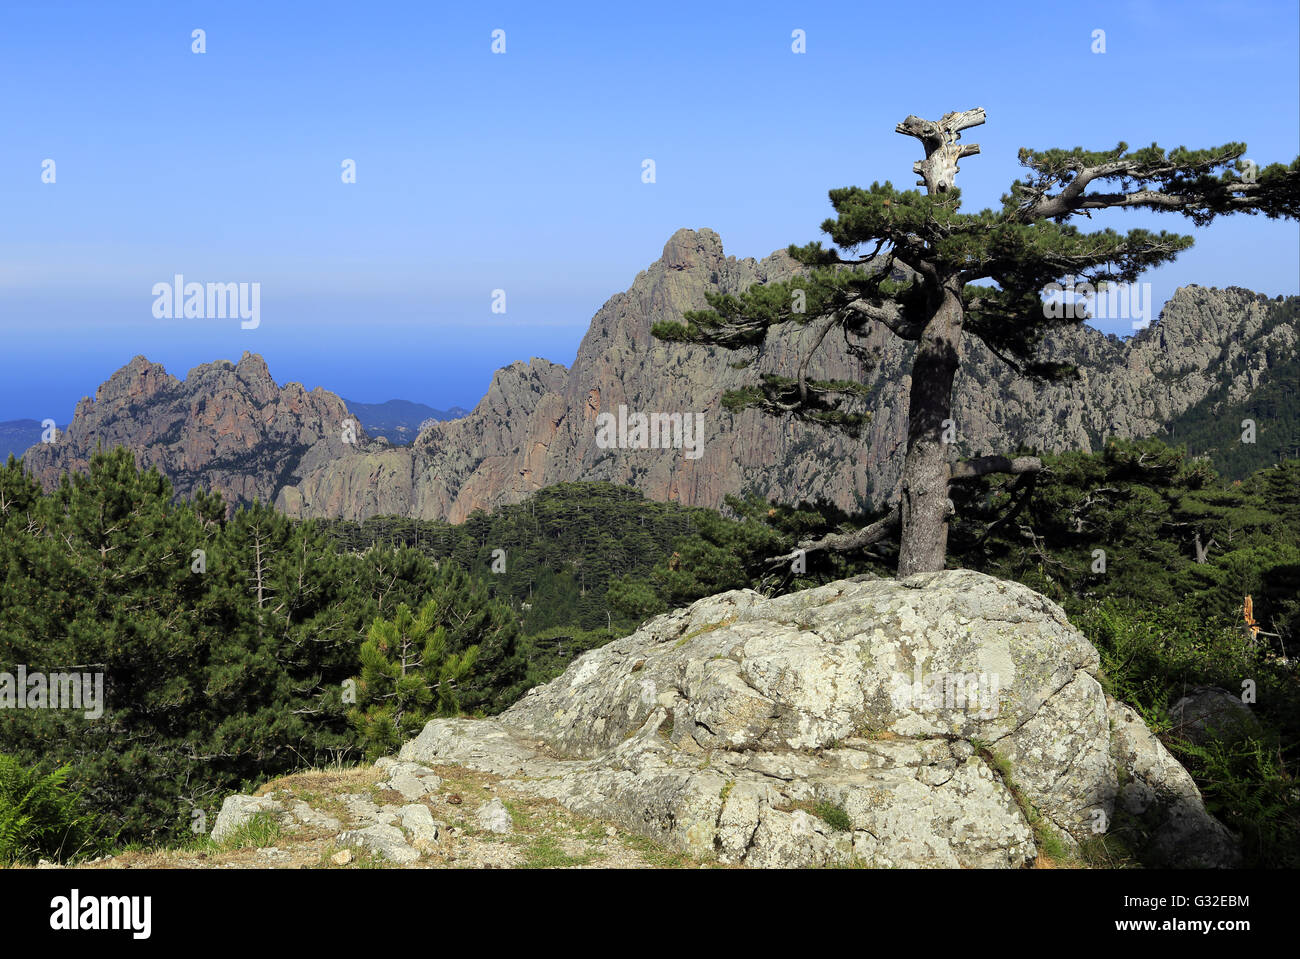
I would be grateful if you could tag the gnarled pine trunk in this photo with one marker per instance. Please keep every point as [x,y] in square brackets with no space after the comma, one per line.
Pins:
[924,494]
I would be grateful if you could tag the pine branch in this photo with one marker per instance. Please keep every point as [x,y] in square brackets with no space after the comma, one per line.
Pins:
[844,542]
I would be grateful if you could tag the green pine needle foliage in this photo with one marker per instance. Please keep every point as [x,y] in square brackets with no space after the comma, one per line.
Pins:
[408,675]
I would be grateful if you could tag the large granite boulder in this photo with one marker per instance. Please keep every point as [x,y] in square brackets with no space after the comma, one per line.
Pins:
[916,722]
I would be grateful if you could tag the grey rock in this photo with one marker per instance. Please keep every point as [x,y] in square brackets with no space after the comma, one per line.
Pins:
[1212,712]
[723,728]
[494,817]
[383,840]
[412,780]
[418,821]
[398,767]
[238,809]
[1184,834]
[311,817]
[362,810]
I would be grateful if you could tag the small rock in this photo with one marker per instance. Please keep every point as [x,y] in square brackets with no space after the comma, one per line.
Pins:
[362,810]
[383,840]
[418,821]
[412,780]
[310,817]
[1211,712]
[494,817]
[611,831]
[412,787]
[342,857]
[237,810]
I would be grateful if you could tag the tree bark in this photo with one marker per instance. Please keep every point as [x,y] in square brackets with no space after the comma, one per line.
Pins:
[923,544]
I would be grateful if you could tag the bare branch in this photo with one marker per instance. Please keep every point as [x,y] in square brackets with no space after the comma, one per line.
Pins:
[827,322]
[939,168]
[889,314]
[1020,492]
[845,542]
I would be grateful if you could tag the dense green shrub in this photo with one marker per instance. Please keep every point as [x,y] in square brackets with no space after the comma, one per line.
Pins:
[223,644]
[39,815]
[221,678]
[408,675]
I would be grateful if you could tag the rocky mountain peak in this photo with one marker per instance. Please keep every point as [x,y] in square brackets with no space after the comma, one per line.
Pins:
[139,380]
[229,424]
[692,249]
[226,426]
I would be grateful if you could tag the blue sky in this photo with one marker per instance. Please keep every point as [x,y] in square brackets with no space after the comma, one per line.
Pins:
[522,171]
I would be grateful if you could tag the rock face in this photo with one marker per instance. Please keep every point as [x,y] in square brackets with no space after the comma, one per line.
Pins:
[229,426]
[866,721]
[225,427]
[537,424]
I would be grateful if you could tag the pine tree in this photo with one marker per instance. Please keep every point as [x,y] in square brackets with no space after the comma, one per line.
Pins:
[920,280]
[408,675]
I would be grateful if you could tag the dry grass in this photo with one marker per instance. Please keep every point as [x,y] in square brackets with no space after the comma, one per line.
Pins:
[546,835]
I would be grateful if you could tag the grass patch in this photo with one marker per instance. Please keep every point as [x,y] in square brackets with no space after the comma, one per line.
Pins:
[707,628]
[1049,842]
[258,831]
[361,859]
[833,814]
[545,852]
[659,857]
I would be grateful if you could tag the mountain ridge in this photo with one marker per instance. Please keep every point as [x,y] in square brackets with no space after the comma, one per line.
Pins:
[536,423]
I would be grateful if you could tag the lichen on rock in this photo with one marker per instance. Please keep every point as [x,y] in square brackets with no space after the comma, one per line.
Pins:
[780,707]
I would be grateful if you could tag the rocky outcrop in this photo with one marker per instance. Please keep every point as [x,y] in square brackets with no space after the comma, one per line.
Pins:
[226,427]
[948,719]
[537,424]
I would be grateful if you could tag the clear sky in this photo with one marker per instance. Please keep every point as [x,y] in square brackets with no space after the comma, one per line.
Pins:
[522,171]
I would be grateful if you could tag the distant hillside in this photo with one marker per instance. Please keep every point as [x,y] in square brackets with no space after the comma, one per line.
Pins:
[399,421]
[1261,387]
[17,435]
[226,427]
[561,549]
[536,425]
